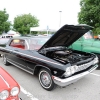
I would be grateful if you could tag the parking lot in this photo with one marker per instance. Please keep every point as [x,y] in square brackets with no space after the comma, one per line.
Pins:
[88,88]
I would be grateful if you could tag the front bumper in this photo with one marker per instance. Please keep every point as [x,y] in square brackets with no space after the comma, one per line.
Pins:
[13,98]
[72,79]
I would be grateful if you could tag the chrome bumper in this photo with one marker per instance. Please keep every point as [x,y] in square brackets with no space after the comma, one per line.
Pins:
[67,81]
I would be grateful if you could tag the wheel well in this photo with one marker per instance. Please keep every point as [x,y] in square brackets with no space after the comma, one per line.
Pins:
[37,69]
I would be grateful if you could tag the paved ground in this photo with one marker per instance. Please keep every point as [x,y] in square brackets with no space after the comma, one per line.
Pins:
[88,88]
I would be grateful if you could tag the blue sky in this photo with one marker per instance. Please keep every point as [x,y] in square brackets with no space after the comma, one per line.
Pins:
[47,11]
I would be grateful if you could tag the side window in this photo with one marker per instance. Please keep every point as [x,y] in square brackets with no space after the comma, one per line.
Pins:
[18,43]
[9,37]
[33,44]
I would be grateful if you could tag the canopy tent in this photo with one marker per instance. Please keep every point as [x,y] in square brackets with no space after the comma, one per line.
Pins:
[11,32]
[42,29]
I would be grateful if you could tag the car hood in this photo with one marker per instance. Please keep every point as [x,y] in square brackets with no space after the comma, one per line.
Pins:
[67,35]
[6,81]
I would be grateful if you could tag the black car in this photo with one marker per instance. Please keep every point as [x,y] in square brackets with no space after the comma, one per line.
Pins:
[50,58]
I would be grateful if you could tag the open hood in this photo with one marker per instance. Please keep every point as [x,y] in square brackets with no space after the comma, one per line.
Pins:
[67,35]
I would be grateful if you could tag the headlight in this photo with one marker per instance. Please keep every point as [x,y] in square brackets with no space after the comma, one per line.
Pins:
[4,95]
[71,70]
[14,91]
[74,69]
[68,71]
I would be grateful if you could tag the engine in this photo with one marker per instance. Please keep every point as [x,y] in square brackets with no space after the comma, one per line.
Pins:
[65,55]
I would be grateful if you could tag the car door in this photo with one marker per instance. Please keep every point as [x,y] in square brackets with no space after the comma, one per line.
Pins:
[17,48]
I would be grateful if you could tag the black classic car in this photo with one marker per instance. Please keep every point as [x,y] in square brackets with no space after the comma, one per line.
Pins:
[50,58]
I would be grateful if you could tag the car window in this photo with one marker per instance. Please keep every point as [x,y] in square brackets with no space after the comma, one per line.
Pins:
[8,36]
[88,35]
[41,42]
[18,43]
[36,43]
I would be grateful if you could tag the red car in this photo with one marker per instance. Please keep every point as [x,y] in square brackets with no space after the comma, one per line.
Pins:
[9,88]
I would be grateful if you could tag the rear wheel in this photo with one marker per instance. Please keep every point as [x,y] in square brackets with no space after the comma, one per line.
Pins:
[5,62]
[45,79]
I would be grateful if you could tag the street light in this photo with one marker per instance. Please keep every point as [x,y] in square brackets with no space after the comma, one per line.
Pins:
[60,18]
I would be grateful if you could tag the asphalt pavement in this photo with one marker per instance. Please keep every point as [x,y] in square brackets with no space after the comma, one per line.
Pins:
[87,88]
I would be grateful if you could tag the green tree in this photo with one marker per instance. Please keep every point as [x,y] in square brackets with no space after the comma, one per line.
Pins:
[4,23]
[23,23]
[90,14]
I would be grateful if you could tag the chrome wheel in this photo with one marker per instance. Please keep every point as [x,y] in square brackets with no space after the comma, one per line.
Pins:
[5,60]
[45,79]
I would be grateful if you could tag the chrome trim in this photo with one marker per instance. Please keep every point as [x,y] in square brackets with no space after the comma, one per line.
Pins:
[9,60]
[34,57]
[84,66]
[72,79]
[20,67]
[27,44]
[5,81]
[87,65]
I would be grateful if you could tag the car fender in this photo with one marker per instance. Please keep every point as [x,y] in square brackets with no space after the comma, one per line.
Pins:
[52,70]
[37,69]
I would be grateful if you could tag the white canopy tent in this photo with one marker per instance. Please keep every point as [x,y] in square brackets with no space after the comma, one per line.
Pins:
[11,32]
[42,29]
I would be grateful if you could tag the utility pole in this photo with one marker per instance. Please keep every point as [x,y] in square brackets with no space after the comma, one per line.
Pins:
[60,18]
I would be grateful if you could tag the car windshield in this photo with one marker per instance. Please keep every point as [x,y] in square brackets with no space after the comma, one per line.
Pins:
[88,35]
[37,42]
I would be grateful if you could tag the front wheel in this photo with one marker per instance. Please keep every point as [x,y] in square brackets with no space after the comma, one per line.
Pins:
[5,62]
[45,79]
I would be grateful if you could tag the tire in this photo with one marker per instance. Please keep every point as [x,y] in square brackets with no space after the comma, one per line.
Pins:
[5,62]
[45,79]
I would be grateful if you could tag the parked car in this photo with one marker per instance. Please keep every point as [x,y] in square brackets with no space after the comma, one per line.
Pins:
[51,59]
[4,38]
[9,88]
[87,43]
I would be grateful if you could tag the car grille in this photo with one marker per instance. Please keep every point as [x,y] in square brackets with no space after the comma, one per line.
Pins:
[85,66]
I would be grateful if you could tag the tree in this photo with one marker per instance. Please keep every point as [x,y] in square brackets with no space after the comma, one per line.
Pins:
[23,23]
[4,23]
[90,14]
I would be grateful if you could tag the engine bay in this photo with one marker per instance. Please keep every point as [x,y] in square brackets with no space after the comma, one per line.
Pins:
[65,55]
